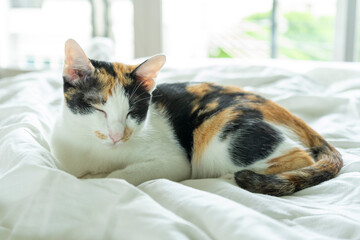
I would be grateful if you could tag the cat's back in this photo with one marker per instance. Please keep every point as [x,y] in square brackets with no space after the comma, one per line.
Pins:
[200,99]
[205,110]
[196,102]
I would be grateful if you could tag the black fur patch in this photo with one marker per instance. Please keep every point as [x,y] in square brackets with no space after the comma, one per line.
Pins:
[105,65]
[139,100]
[75,94]
[247,116]
[253,140]
[178,104]
[320,177]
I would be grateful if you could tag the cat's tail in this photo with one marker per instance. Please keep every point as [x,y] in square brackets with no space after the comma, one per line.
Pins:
[328,164]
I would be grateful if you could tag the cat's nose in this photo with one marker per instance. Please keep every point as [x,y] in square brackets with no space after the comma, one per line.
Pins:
[115,137]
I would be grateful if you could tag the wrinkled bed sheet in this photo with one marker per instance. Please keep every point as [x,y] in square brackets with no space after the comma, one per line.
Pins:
[40,201]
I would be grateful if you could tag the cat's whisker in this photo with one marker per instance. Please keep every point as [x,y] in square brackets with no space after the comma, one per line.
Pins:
[137,97]
[133,92]
[141,100]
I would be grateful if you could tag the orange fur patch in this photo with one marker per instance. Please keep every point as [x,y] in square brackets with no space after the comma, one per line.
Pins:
[127,134]
[293,160]
[231,89]
[211,106]
[208,129]
[200,89]
[208,108]
[195,106]
[121,70]
[100,135]
[107,81]
[252,97]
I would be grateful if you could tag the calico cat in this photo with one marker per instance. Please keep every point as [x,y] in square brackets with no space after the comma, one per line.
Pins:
[115,123]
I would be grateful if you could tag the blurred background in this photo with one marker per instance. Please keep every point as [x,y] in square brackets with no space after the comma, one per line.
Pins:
[33,32]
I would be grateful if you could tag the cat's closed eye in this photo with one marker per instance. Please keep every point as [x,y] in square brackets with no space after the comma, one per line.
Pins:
[128,114]
[99,110]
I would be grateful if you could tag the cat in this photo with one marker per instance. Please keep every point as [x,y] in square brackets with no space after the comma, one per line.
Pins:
[116,123]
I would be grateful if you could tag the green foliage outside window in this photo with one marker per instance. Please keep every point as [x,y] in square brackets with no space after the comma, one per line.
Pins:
[301,35]
[307,37]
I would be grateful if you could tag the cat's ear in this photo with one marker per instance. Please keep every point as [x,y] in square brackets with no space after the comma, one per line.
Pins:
[148,71]
[77,65]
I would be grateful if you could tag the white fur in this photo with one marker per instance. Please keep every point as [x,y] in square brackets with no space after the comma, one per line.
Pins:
[151,152]
[215,161]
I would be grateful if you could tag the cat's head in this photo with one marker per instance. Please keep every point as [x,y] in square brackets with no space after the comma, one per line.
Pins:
[109,100]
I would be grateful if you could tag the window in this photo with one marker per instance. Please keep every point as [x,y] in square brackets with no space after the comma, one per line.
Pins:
[34,37]
[231,28]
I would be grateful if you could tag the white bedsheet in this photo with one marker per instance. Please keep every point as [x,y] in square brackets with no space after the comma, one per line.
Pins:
[40,201]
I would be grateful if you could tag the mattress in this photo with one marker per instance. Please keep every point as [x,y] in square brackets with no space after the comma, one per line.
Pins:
[38,200]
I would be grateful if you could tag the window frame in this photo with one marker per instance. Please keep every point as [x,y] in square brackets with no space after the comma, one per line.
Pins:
[346,27]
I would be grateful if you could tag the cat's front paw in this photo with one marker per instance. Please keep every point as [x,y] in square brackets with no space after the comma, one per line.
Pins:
[94,175]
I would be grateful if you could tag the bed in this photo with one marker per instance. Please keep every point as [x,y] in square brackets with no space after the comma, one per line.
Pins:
[38,200]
